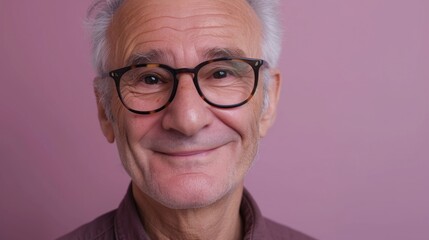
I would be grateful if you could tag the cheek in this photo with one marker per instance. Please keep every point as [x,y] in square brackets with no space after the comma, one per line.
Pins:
[123,124]
[246,124]
[129,127]
[244,121]
[133,128]
[130,130]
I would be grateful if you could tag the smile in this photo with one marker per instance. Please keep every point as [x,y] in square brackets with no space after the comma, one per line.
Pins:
[188,153]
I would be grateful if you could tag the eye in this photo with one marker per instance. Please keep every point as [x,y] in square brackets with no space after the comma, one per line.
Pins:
[220,74]
[151,79]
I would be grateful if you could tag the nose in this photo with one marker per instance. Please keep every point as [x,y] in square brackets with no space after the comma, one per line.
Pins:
[188,113]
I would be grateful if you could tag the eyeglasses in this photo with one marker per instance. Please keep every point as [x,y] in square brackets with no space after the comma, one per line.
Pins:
[222,82]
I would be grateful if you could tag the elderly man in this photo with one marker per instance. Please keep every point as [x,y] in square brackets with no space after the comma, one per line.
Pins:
[186,89]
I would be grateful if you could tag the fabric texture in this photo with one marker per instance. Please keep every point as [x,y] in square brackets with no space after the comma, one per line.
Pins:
[124,224]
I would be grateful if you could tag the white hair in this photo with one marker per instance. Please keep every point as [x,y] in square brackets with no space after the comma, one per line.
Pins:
[100,15]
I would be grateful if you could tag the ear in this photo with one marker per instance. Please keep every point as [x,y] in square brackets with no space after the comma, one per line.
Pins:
[273,93]
[105,123]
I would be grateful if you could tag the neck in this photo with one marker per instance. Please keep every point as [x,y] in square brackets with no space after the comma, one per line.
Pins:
[220,220]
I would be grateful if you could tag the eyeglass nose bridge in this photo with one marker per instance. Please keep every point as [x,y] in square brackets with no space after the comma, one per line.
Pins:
[194,72]
[185,70]
[178,71]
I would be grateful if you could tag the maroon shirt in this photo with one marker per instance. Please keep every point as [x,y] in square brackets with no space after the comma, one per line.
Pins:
[124,224]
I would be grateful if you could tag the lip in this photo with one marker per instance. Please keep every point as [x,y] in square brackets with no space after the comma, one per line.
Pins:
[187,153]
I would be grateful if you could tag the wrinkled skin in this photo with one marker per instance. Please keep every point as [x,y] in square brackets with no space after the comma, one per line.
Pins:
[190,155]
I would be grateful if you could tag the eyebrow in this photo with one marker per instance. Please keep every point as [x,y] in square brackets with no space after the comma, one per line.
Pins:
[152,56]
[224,52]
[159,56]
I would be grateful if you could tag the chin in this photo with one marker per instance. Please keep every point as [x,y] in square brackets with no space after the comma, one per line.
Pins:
[190,192]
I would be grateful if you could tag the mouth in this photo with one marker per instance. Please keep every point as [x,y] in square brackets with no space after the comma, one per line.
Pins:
[190,158]
[187,153]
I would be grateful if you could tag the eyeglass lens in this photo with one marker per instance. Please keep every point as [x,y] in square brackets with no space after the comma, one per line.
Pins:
[150,87]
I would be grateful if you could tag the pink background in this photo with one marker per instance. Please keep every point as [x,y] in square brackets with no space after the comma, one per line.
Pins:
[346,159]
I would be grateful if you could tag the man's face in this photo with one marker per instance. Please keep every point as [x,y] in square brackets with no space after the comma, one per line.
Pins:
[190,154]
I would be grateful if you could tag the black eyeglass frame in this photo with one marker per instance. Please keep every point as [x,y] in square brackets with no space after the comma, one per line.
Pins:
[253,62]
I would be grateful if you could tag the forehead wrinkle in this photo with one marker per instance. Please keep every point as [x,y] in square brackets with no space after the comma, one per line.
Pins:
[141,45]
[185,18]
[202,9]
[133,21]
[184,24]
[221,27]
[127,40]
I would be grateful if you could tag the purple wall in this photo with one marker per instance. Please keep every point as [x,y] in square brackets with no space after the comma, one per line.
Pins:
[346,159]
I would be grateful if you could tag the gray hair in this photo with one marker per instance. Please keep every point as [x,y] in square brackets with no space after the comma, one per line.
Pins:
[100,15]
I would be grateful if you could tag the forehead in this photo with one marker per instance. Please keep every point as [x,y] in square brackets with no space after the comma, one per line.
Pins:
[183,27]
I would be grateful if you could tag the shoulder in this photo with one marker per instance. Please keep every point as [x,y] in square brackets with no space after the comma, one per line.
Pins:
[280,232]
[101,228]
[259,227]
